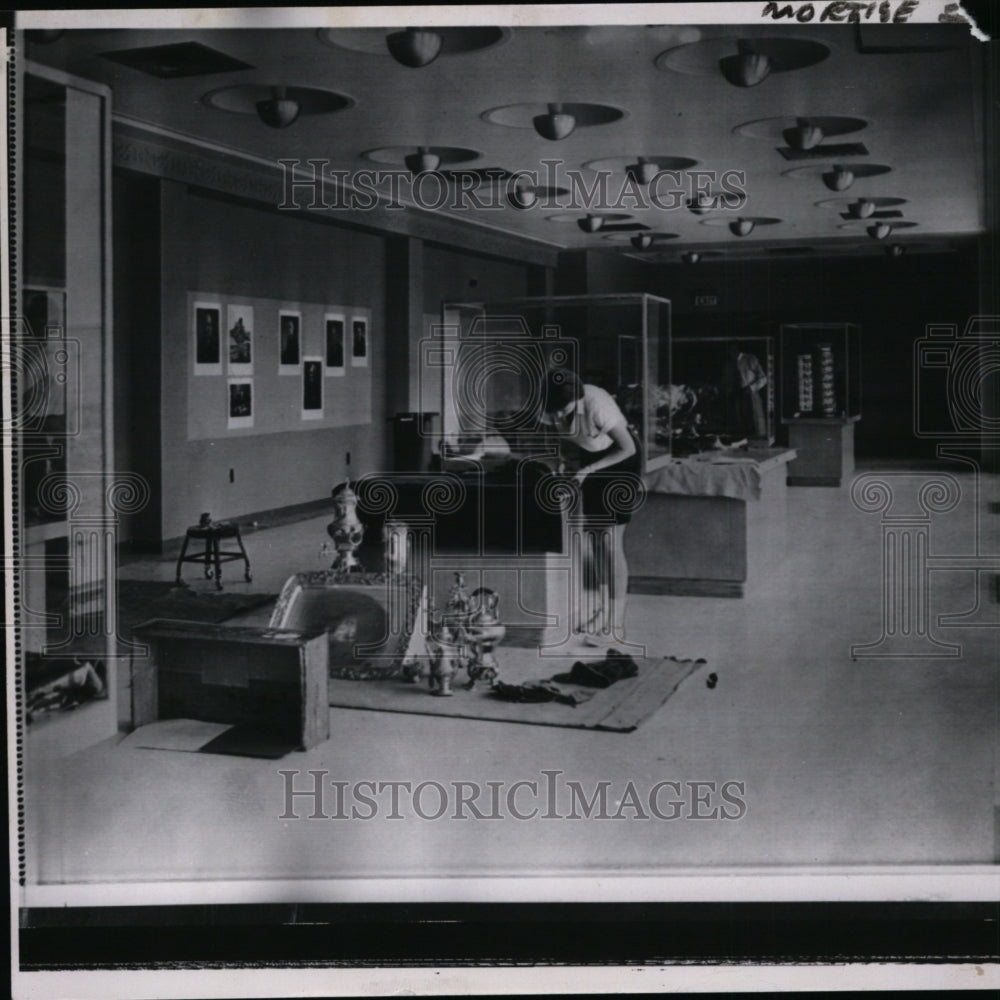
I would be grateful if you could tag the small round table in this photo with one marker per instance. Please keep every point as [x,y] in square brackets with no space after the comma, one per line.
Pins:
[213,556]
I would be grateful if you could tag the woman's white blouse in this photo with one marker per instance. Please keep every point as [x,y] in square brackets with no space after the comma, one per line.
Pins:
[588,425]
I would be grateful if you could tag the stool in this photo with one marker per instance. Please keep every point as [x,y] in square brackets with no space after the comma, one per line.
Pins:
[212,533]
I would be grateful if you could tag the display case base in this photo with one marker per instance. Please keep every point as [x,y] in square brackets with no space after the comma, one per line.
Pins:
[684,586]
[814,480]
[716,541]
[825,451]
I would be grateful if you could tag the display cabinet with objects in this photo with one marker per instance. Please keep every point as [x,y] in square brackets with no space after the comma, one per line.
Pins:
[68,500]
[820,399]
[491,359]
[728,393]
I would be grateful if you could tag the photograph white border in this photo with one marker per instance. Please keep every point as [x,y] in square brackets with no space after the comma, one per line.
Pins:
[361,360]
[295,369]
[236,311]
[311,414]
[939,883]
[328,369]
[207,369]
[242,422]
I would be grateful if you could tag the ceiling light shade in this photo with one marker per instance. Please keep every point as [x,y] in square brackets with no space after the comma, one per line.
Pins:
[742,227]
[895,250]
[414,47]
[706,56]
[861,209]
[278,111]
[643,172]
[879,231]
[422,160]
[691,257]
[747,68]
[522,197]
[702,203]
[838,179]
[643,241]
[803,135]
[590,223]
[555,124]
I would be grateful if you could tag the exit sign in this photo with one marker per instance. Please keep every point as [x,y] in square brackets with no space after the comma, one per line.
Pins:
[705,300]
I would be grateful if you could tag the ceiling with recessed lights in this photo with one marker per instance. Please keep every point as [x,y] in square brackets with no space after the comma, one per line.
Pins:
[709,140]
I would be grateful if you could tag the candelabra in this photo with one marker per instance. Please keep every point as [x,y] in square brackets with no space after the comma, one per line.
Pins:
[464,637]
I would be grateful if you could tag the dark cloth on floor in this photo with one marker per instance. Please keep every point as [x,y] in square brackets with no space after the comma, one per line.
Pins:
[534,692]
[614,667]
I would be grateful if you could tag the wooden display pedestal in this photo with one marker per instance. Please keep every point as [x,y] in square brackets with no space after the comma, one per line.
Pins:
[272,679]
[825,450]
[702,545]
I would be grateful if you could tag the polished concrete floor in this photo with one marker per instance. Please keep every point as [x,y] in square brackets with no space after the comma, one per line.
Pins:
[884,759]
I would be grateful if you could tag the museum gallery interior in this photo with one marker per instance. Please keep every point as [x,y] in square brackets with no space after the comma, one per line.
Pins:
[292,306]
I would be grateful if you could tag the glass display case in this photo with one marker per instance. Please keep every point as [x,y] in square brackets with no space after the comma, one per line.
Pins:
[485,369]
[68,499]
[820,371]
[727,385]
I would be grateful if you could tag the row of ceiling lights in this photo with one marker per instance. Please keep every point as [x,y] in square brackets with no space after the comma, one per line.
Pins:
[750,65]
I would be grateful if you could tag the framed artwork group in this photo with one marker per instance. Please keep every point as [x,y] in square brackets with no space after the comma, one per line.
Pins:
[226,342]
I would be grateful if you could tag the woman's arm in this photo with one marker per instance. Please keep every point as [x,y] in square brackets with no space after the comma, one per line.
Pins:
[624,448]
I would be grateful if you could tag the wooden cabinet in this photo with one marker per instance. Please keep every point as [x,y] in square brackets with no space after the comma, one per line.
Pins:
[274,680]
[825,450]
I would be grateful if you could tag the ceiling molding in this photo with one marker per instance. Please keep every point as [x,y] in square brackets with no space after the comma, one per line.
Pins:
[188,160]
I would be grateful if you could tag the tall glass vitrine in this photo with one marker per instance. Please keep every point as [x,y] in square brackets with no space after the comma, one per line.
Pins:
[67,498]
[729,392]
[485,366]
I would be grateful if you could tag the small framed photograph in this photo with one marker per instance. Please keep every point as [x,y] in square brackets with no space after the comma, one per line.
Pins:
[289,342]
[312,389]
[207,331]
[359,342]
[239,322]
[333,326]
[240,403]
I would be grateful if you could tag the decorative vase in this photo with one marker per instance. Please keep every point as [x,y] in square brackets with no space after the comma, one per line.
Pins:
[485,632]
[345,529]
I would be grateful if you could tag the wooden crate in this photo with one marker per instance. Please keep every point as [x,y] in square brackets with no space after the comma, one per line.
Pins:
[272,679]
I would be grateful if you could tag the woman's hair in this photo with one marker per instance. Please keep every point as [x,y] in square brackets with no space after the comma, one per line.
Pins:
[562,387]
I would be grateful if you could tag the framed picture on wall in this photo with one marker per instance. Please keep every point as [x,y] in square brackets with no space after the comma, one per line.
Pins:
[289,342]
[240,403]
[312,389]
[207,333]
[359,342]
[333,327]
[239,323]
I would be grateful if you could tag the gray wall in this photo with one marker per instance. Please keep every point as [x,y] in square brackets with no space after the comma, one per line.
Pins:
[172,239]
[215,244]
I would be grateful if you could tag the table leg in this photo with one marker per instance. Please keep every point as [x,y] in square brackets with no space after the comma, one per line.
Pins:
[248,576]
[218,563]
[180,559]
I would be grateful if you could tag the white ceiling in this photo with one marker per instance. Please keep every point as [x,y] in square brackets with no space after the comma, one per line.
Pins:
[922,108]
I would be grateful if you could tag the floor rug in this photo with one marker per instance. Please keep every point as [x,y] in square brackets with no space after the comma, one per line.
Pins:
[618,708]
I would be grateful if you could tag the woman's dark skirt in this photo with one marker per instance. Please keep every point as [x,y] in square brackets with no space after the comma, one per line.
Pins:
[613,494]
